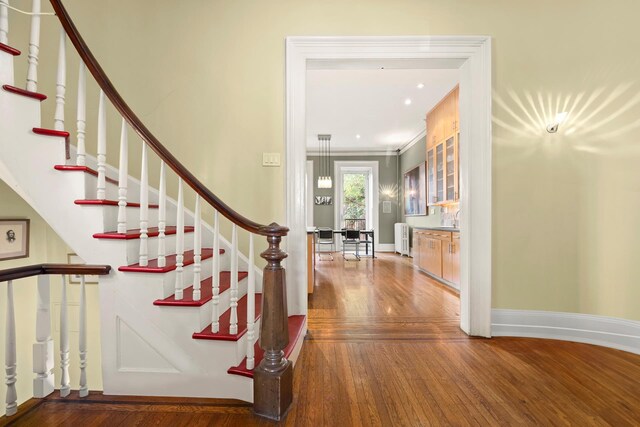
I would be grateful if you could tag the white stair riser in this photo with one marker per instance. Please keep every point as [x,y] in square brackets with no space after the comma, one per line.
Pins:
[6,68]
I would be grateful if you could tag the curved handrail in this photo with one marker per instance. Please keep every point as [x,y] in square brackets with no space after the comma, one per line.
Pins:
[144,133]
[38,269]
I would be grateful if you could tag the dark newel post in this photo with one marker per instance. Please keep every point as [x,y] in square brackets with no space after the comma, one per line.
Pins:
[273,378]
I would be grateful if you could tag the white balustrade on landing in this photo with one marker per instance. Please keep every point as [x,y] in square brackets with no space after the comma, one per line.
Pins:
[43,384]
[179,288]
[61,82]
[233,325]
[10,359]
[81,115]
[215,275]
[82,339]
[144,209]
[4,22]
[34,47]
[65,388]
[251,307]
[197,251]
[123,176]
[162,218]
[43,348]
[102,147]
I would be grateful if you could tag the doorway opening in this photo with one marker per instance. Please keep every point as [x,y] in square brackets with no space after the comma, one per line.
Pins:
[472,54]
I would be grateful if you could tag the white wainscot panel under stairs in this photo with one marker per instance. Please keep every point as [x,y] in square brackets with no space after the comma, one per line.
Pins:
[152,342]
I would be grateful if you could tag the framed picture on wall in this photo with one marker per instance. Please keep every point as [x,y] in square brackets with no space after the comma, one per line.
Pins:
[14,238]
[415,191]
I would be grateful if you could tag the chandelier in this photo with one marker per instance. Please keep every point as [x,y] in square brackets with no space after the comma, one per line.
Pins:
[324,177]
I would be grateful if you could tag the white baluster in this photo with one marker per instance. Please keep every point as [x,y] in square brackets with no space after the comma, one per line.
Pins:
[144,209]
[102,147]
[82,339]
[162,219]
[251,307]
[34,47]
[4,22]
[65,389]
[215,275]
[180,244]
[233,326]
[10,354]
[61,82]
[81,116]
[43,383]
[197,252]
[123,176]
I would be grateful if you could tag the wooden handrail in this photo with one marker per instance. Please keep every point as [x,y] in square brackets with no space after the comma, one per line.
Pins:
[146,135]
[38,269]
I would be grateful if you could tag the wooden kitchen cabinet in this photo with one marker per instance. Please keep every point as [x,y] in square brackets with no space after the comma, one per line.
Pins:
[437,253]
[451,260]
[442,151]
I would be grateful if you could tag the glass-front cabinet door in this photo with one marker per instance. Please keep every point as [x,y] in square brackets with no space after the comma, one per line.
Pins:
[451,169]
[431,178]
[440,173]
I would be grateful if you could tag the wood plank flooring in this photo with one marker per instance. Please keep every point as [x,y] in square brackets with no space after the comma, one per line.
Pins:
[384,349]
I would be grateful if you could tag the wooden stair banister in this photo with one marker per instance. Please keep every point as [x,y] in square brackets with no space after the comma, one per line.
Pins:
[273,386]
[38,269]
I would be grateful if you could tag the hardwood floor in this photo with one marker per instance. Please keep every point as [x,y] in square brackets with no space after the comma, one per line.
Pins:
[384,349]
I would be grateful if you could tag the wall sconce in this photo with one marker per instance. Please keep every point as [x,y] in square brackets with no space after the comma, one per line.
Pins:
[560,117]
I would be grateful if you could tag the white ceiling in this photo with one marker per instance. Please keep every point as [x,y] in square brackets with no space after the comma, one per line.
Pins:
[370,102]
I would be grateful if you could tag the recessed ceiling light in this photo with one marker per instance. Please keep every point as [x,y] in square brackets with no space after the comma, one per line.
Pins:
[407,101]
[420,85]
[358,136]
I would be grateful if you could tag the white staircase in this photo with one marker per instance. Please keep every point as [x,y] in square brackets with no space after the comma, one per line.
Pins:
[156,335]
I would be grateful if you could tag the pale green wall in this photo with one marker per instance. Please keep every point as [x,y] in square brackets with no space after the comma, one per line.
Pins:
[208,79]
[323,216]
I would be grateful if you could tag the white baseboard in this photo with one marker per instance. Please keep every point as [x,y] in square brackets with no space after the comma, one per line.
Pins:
[610,332]
[386,247]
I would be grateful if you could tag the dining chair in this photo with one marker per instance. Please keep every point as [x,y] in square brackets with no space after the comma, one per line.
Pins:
[325,238]
[351,237]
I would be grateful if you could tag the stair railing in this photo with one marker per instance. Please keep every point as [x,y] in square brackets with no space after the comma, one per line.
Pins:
[44,382]
[273,376]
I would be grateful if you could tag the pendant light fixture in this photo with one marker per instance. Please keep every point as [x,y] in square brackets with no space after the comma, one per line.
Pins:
[324,177]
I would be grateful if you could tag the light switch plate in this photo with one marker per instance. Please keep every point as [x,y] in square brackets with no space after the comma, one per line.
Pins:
[271,159]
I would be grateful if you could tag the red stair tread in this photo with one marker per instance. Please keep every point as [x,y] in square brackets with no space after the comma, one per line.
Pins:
[171,262]
[206,292]
[295,329]
[10,50]
[18,91]
[72,168]
[51,132]
[110,203]
[135,233]
[225,321]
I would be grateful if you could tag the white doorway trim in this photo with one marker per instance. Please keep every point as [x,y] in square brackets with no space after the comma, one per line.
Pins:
[351,165]
[475,154]
[310,180]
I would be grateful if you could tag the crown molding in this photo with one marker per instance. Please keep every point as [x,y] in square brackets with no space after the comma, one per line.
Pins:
[415,139]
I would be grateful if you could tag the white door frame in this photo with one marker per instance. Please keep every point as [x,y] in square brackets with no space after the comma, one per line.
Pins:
[309,193]
[374,202]
[475,154]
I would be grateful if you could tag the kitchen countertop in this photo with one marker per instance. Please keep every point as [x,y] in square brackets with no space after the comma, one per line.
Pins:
[456,230]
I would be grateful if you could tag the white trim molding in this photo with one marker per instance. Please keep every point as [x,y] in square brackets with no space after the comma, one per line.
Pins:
[474,52]
[411,143]
[385,247]
[605,331]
